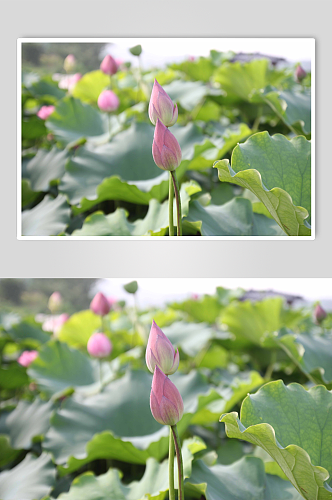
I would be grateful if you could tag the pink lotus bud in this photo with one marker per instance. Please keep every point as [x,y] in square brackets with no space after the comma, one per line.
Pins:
[161,106]
[27,357]
[319,314]
[108,101]
[45,112]
[194,296]
[69,63]
[55,301]
[300,74]
[109,65]
[99,345]
[165,400]
[191,58]
[166,150]
[160,352]
[100,305]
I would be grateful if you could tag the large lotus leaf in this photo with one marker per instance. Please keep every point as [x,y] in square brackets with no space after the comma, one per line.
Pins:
[7,452]
[203,309]
[191,337]
[189,94]
[33,128]
[231,390]
[28,331]
[13,376]
[46,87]
[201,69]
[155,223]
[90,86]
[123,169]
[79,328]
[278,172]
[84,430]
[73,120]
[153,485]
[28,422]
[294,427]
[32,479]
[312,353]
[245,480]
[294,108]
[28,195]
[241,80]
[58,367]
[45,167]
[49,218]
[250,322]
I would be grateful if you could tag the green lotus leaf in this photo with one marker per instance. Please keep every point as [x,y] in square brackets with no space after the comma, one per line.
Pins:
[245,479]
[191,337]
[278,172]
[202,309]
[45,167]
[49,218]
[7,453]
[46,87]
[32,479]
[90,86]
[59,368]
[201,69]
[28,195]
[294,427]
[79,328]
[189,94]
[84,430]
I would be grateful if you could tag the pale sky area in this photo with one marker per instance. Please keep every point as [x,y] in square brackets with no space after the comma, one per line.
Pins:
[158,291]
[158,51]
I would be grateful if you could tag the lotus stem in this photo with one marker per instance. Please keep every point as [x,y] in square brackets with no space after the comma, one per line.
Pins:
[170,206]
[171,466]
[178,202]
[179,460]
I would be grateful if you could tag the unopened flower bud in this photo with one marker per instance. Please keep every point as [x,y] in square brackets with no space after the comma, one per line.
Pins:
[69,63]
[162,107]
[45,112]
[166,150]
[165,400]
[27,357]
[99,345]
[55,301]
[300,74]
[100,305]
[69,81]
[109,65]
[160,352]
[319,314]
[108,101]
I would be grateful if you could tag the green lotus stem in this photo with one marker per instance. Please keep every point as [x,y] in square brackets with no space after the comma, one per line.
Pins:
[178,202]
[110,82]
[100,375]
[179,460]
[170,206]
[171,466]
[109,123]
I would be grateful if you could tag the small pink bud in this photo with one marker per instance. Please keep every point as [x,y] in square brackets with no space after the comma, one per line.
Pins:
[300,74]
[55,301]
[166,150]
[319,314]
[160,352]
[69,63]
[100,305]
[45,112]
[27,357]
[165,400]
[191,58]
[109,66]
[99,345]
[108,101]
[161,106]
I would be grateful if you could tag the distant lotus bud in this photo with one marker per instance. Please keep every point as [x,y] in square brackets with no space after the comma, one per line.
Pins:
[166,150]
[69,63]
[160,352]
[100,305]
[27,357]
[45,112]
[162,107]
[300,74]
[191,58]
[55,301]
[319,314]
[99,345]
[69,81]
[54,323]
[108,101]
[165,400]
[109,65]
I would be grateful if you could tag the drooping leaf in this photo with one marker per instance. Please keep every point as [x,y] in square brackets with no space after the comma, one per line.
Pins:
[278,172]
[45,167]
[295,427]
[49,218]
